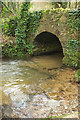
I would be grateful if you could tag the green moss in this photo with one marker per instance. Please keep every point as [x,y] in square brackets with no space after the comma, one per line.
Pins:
[77,54]
[61,116]
[72,54]
[77,76]
[57,10]
[71,62]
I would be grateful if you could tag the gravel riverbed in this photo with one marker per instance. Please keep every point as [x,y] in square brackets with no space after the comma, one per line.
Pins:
[42,107]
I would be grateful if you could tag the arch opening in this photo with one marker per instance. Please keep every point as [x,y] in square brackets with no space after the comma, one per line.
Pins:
[47,43]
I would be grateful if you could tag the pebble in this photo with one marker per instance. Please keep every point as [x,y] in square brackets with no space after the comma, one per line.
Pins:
[42,107]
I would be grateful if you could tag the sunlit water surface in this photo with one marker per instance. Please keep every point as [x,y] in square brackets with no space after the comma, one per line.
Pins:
[19,82]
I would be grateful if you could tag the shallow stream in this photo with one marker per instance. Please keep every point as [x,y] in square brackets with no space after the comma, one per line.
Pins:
[26,84]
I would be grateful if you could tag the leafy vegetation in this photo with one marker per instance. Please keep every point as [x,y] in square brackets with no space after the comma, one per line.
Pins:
[9,49]
[72,53]
[9,26]
[22,28]
[72,57]
[74,24]
[77,76]
[27,26]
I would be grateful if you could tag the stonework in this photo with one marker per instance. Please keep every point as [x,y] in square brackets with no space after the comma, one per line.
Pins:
[55,22]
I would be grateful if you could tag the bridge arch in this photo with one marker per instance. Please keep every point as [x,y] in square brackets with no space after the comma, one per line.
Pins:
[55,22]
[47,42]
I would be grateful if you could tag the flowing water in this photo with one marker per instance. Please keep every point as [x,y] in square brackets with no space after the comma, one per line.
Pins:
[23,79]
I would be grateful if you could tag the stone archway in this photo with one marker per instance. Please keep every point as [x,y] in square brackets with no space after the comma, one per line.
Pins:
[47,42]
[55,22]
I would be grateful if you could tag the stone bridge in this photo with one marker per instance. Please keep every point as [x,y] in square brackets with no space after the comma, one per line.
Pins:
[52,32]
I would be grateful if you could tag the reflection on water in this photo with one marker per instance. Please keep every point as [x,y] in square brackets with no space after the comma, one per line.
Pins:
[17,80]
[50,61]
[20,82]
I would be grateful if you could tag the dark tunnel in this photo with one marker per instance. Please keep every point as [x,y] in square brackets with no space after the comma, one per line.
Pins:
[47,43]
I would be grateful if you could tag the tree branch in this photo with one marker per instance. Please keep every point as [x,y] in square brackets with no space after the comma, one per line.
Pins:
[7,7]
